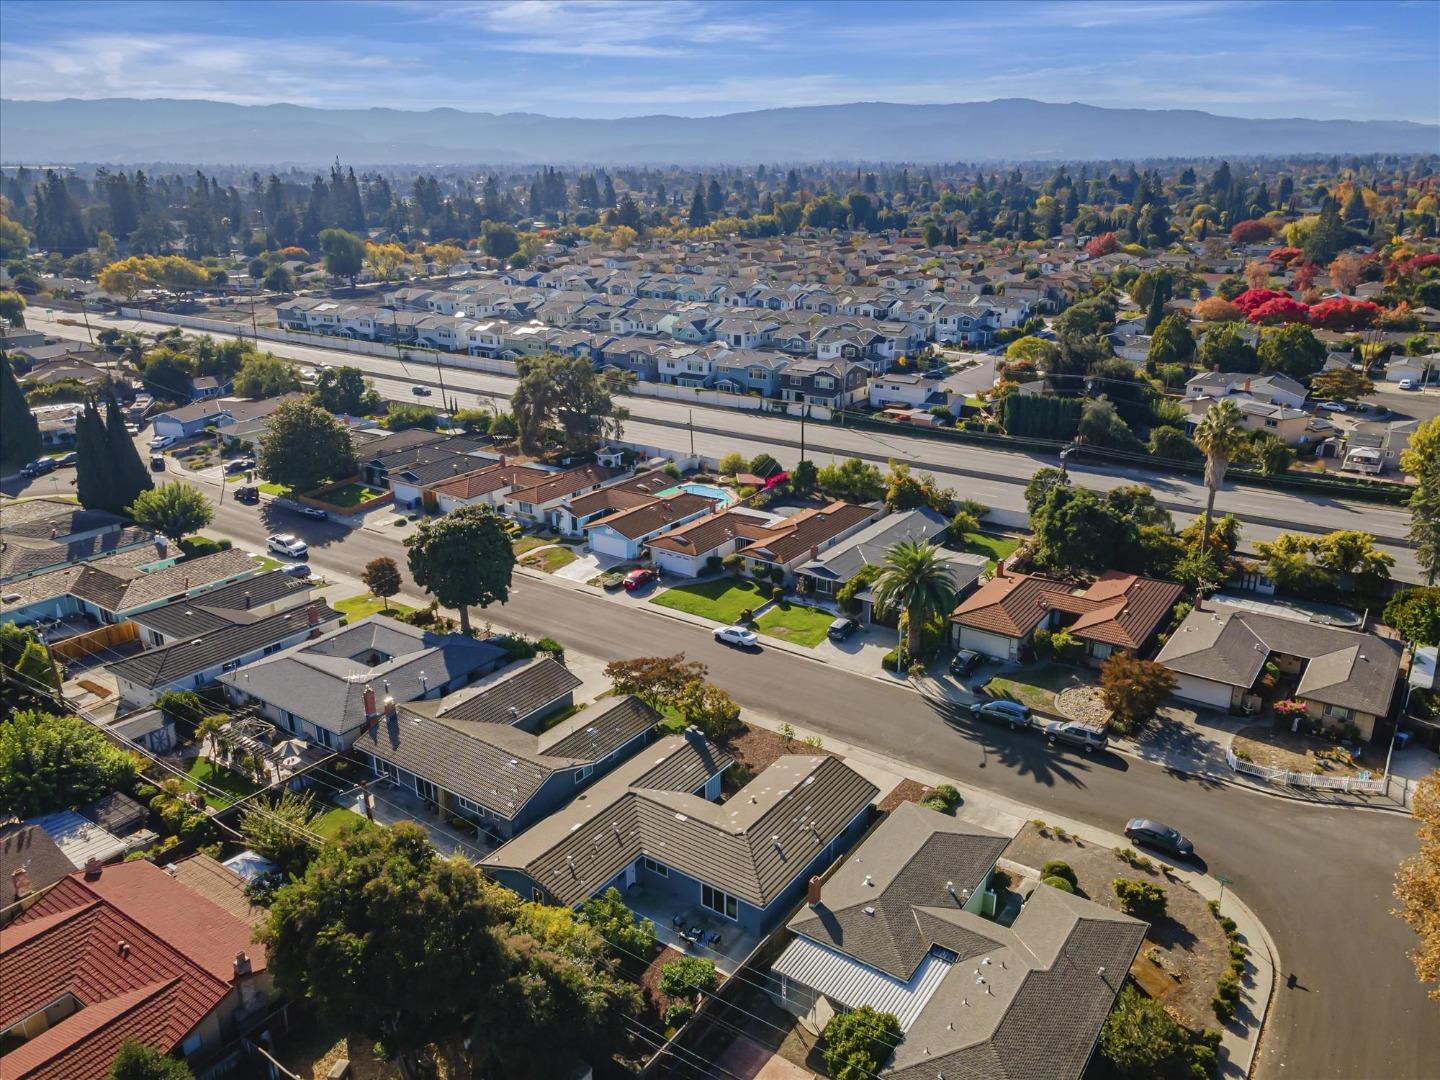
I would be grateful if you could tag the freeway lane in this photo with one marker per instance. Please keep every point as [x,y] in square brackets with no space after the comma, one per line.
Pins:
[1319,878]
[995,477]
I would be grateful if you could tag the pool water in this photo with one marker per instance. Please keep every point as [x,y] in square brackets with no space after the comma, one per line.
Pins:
[710,491]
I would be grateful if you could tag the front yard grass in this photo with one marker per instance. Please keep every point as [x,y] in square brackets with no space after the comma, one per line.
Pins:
[267,563]
[795,623]
[350,495]
[529,543]
[269,487]
[549,560]
[1037,686]
[722,599]
[993,547]
[234,786]
[363,605]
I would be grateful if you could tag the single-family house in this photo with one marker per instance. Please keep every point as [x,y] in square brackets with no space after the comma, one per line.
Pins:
[486,486]
[46,534]
[466,757]
[902,927]
[1221,651]
[127,952]
[1118,612]
[634,491]
[195,662]
[246,601]
[222,412]
[1273,389]
[1291,425]
[803,536]
[834,384]
[541,502]
[623,535]
[687,551]
[653,829]
[316,689]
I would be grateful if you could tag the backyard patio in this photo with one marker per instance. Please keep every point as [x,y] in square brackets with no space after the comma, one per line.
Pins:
[695,933]
[394,804]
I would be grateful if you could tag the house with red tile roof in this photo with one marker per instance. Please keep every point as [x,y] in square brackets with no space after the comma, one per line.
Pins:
[1119,612]
[798,539]
[124,952]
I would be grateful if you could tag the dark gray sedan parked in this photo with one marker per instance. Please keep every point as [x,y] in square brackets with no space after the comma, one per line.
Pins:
[1152,834]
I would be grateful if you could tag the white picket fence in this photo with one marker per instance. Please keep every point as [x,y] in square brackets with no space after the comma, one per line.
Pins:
[1349,784]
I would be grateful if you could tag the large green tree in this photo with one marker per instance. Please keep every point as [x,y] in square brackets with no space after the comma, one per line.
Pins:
[57,761]
[303,446]
[1171,343]
[19,432]
[463,558]
[173,510]
[136,1061]
[344,253]
[1140,1041]
[1421,461]
[1291,350]
[1077,532]
[564,396]
[131,475]
[264,375]
[917,581]
[1224,348]
[1416,614]
[346,390]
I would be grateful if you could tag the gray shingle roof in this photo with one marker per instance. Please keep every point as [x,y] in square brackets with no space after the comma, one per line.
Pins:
[524,688]
[189,656]
[226,606]
[870,544]
[492,764]
[1230,645]
[752,846]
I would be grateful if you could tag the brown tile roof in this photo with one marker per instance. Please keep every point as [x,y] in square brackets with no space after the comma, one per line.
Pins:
[654,514]
[1118,609]
[709,532]
[492,478]
[808,529]
[559,485]
[223,887]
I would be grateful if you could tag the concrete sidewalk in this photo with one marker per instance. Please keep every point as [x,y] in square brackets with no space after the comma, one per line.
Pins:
[1240,1038]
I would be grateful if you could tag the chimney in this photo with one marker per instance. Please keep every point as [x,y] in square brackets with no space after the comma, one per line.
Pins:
[312,616]
[502,461]
[390,713]
[1246,385]
[812,890]
[370,714]
[242,963]
[20,882]
[247,599]
[92,868]
[999,568]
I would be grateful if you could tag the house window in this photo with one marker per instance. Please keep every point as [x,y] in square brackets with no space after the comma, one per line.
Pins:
[1336,712]
[654,867]
[582,774]
[538,895]
[327,737]
[722,903]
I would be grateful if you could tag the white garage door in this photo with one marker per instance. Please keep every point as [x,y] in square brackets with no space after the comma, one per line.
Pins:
[605,542]
[672,562]
[997,646]
[1202,691]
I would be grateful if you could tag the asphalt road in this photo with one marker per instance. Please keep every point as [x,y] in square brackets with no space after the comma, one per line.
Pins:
[994,477]
[1319,878]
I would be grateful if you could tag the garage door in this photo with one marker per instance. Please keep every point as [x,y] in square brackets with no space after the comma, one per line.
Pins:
[993,645]
[1202,691]
[672,562]
[605,542]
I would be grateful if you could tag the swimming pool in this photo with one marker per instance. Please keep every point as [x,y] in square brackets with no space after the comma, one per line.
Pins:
[710,491]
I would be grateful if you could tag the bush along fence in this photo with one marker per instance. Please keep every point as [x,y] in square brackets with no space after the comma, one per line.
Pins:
[1354,785]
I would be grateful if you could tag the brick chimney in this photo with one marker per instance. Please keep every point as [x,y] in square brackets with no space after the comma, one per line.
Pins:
[92,868]
[999,568]
[390,713]
[502,461]
[242,963]
[19,883]
[371,714]
[312,616]
[812,890]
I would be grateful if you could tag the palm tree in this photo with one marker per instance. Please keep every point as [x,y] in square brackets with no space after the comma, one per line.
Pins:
[915,579]
[1219,436]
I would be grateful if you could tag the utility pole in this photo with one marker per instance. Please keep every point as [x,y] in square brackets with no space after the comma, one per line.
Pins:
[85,314]
[365,800]
[804,412]
[691,425]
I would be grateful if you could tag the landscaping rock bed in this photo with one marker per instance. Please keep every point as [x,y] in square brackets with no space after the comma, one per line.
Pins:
[1083,703]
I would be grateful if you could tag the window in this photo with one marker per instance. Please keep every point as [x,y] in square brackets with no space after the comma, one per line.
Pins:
[582,774]
[654,867]
[538,895]
[469,807]
[721,903]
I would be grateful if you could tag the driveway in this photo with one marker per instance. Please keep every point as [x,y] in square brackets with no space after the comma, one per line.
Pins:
[861,652]
[587,565]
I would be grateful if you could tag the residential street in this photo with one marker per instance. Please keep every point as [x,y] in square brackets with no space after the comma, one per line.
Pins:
[1319,878]
[994,477]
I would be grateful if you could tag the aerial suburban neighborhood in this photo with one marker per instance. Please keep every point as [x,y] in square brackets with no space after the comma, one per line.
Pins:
[497,585]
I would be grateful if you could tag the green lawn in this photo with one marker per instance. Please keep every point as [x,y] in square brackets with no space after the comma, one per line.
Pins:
[722,599]
[530,543]
[550,560]
[203,771]
[1037,686]
[358,607]
[351,495]
[330,823]
[269,487]
[996,547]
[267,563]
[795,623]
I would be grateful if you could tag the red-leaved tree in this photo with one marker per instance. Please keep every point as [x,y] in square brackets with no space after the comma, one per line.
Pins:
[1253,231]
[1251,299]
[1104,244]
[1284,255]
[1340,313]
[1282,309]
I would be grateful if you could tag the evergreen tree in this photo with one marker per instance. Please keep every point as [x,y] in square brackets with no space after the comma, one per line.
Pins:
[698,217]
[95,475]
[131,475]
[19,433]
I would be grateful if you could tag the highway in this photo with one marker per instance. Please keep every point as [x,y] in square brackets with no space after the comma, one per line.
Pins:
[994,477]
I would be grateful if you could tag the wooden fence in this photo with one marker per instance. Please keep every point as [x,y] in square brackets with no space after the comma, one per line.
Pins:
[101,638]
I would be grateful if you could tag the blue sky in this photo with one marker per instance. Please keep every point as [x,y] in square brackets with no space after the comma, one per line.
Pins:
[1357,60]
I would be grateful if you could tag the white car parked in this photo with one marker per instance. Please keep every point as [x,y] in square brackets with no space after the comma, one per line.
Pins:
[287,544]
[160,442]
[737,636]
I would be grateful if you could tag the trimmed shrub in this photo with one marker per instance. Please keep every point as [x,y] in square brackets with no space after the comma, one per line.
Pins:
[930,802]
[1057,868]
[948,794]
[1142,899]
[677,1012]
[777,593]
[1058,883]
[746,615]
[714,563]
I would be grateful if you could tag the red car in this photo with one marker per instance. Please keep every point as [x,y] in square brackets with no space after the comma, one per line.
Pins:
[636,579]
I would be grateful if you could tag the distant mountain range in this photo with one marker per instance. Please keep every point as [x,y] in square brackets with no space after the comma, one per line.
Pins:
[130,131]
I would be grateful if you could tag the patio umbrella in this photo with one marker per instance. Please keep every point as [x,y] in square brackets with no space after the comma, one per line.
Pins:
[291,748]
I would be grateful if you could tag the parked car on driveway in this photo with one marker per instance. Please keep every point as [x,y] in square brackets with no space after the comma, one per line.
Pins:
[157,462]
[160,442]
[737,636]
[287,544]
[638,579]
[1074,733]
[1152,834]
[1002,711]
[314,513]
[965,661]
[39,467]
[298,570]
[1409,384]
[1332,406]
[240,464]
[841,629]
